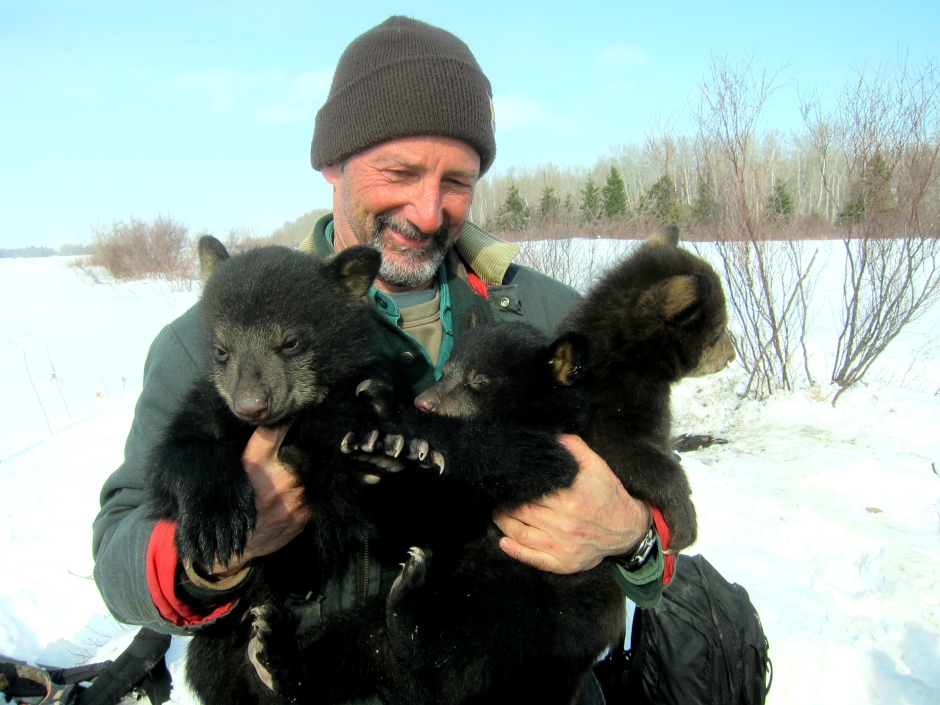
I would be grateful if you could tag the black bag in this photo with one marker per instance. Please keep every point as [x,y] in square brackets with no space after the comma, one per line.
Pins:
[141,668]
[703,644]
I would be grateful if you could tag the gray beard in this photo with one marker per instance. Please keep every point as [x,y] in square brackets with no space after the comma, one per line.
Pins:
[412,268]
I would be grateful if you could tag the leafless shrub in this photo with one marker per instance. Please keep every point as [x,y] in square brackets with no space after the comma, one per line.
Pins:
[139,250]
[73,249]
[885,135]
[576,262]
[293,232]
[241,239]
[769,286]
[565,230]
[290,234]
[889,283]
[768,277]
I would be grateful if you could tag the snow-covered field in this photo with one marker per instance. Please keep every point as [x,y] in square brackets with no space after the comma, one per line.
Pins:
[830,517]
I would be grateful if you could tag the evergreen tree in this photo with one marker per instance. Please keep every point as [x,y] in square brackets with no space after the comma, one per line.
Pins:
[570,207]
[614,195]
[590,209]
[705,209]
[661,204]
[514,213]
[871,195]
[549,205]
[781,203]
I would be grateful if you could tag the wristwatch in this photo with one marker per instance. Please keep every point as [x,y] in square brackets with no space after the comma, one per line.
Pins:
[637,558]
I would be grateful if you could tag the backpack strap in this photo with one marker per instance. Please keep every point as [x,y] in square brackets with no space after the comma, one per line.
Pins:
[142,665]
[726,658]
[31,685]
[620,672]
[634,692]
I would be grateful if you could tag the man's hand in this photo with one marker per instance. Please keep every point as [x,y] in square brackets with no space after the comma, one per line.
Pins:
[281,515]
[574,529]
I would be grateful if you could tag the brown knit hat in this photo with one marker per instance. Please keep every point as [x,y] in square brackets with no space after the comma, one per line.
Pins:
[400,79]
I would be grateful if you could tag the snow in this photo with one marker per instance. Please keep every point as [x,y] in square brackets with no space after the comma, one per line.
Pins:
[830,517]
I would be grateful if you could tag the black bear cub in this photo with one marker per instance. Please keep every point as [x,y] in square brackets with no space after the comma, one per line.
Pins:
[464,623]
[500,627]
[655,318]
[286,337]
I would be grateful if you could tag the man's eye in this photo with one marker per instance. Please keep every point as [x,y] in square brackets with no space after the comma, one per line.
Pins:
[458,182]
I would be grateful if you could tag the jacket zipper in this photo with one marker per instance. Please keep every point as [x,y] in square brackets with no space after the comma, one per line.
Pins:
[365,575]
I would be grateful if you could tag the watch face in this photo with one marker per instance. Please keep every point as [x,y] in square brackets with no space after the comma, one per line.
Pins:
[640,554]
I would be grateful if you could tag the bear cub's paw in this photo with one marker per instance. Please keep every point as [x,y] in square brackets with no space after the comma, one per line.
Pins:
[270,628]
[683,526]
[389,452]
[400,607]
[216,532]
[377,394]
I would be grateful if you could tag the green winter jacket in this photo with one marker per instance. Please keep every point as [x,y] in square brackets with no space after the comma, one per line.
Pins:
[122,530]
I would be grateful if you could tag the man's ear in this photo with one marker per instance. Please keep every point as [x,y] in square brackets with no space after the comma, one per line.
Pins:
[211,252]
[355,268]
[332,173]
[568,356]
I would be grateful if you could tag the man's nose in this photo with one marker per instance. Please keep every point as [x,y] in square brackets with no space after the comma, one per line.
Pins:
[427,212]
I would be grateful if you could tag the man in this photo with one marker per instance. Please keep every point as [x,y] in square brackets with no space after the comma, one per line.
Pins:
[404,136]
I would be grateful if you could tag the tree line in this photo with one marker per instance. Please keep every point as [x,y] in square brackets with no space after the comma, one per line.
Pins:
[871,148]
[864,169]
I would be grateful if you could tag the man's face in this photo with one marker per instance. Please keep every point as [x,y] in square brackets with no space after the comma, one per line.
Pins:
[407,197]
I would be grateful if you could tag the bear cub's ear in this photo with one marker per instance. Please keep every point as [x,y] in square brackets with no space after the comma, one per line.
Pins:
[678,300]
[568,357]
[355,268]
[211,252]
[667,235]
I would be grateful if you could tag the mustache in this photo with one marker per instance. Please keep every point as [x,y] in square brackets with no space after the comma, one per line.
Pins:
[408,229]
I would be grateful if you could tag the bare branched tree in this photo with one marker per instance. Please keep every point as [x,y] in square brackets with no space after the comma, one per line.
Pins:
[885,129]
[769,280]
[577,263]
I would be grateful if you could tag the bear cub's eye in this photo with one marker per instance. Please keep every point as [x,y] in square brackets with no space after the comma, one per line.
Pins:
[290,345]
[716,339]
[221,354]
[477,381]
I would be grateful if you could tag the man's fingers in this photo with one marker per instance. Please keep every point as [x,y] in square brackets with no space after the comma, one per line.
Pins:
[264,443]
[525,515]
[536,559]
[520,531]
[580,450]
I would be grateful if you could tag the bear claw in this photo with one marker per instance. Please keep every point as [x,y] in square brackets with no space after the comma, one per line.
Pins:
[394,444]
[418,449]
[371,439]
[415,568]
[260,630]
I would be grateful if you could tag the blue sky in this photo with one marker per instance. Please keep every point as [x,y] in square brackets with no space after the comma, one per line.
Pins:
[205,110]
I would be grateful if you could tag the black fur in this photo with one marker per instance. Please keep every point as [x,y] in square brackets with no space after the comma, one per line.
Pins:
[287,338]
[467,624]
[464,622]
[655,318]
